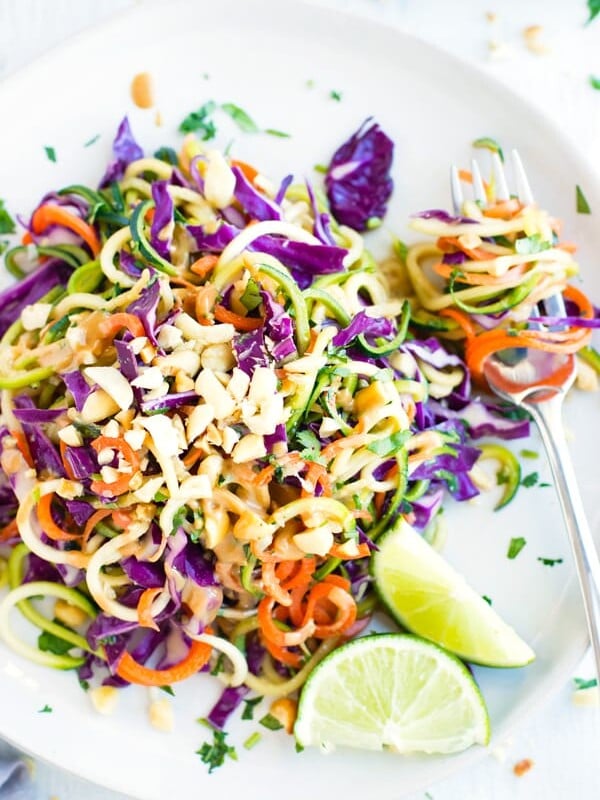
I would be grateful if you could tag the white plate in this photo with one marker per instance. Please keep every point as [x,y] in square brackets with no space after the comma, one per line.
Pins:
[260,54]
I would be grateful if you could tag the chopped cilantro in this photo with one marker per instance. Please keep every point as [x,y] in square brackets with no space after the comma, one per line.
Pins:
[593,9]
[199,121]
[299,747]
[167,154]
[270,722]
[243,120]
[7,223]
[252,740]
[550,562]
[251,298]
[219,665]
[582,683]
[528,245]
[50,643]
[179,518]
[594,82]
[167,690]
[400,248]
[517,543]
[215,754]
[45,710]
[335,95]
[310,443]
[389,445]
[248,712]
[530,480]
[91,141]
[428,796]
[280,134]
[529,454]
[206,76]
[322,168]
[487,599]
[582,205]
[487,143]
[50,154]
[84,685]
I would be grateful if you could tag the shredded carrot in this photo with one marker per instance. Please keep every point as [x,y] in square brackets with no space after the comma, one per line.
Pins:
[274,634]
[63,447]
[317,474]
[9,531]
[293,574]
[334,449]
[333,591]
[50,214]
[133,672]
[568,247]
[271,585]
[47,523]
[121,485]
[144,608]
[203,265]
[23,446]
[122,518]
[110,326]
[265,475]
[249,171]
[461,318]
[505,209]
[447,243]
[27,238]
[282,654]
[223,314]
[96,517]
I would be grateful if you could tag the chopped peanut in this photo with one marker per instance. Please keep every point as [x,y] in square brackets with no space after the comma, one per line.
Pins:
[285,710]
[523,766]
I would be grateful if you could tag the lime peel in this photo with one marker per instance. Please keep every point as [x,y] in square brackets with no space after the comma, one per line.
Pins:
[427,596]
[395,692]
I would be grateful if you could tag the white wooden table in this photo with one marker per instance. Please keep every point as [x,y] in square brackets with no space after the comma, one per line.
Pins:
[562,740]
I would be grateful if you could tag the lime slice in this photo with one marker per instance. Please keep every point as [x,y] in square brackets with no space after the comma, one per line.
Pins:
[428,597]
[392,691]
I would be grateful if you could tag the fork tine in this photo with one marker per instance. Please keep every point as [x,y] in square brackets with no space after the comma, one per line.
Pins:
[456,190]
[502,192]
[524,192]
[478,185]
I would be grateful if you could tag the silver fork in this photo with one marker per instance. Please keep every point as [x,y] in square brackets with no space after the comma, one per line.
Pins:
[538,382]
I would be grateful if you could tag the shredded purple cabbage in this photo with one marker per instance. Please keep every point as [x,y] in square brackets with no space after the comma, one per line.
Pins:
[163,216]
[358,180]
[125,150]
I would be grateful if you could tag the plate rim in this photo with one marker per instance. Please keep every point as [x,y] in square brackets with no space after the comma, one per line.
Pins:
[531,706]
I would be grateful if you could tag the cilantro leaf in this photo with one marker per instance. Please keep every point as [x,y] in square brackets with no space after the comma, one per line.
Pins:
[582,683]
[241,118]
[199,121]
[550,562]
[528,245]
[594,82]
[310,443]
[487,599]
[582,205]
[215,754]
[91,141]
[45,710]
[593,9]
[167,690]
[50,643]
[335,95]
[251,298]
[167,154]
[270,722]
[280,134]
[517,543]
[487,143]
[530,480]
[7,223]
[389,445]
[51,154]
[248,712]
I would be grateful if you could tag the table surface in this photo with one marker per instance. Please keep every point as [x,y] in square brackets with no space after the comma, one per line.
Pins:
[562,740]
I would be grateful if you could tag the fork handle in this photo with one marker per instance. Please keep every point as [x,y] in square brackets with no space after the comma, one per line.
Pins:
[548,416]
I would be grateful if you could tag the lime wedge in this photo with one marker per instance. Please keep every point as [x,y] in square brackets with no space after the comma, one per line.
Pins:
[392,691]
[428,597]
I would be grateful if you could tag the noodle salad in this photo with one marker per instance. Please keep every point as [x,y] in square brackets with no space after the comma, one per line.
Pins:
[214,402]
